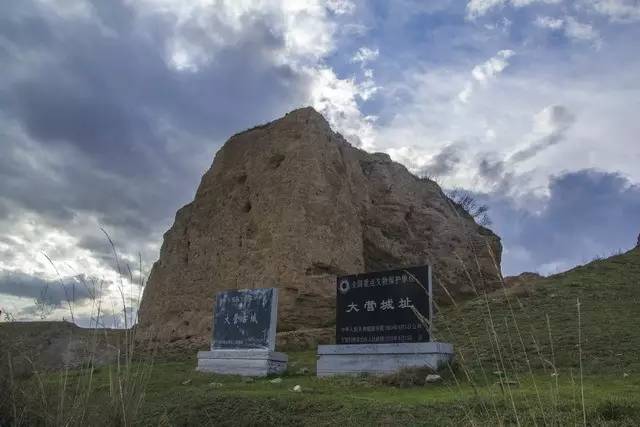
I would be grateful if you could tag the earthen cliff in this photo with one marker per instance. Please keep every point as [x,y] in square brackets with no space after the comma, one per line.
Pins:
[291,205]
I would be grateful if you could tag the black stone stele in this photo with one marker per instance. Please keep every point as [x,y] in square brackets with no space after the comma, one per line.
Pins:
[244,335]
[375,308]
[244,319]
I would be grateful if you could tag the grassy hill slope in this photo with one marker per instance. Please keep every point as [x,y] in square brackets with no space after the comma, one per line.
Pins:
[539,321]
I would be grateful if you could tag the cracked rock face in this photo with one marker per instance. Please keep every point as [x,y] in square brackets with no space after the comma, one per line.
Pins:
[291,205]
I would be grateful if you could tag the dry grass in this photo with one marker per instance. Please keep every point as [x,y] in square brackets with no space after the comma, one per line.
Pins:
[62,399]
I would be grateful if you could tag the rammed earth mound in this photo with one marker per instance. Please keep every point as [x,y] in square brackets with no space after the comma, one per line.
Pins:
[292,205]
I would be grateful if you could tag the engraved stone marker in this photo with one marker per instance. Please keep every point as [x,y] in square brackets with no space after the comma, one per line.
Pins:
[383,324]
[244,334]
[245,319]
[376,308]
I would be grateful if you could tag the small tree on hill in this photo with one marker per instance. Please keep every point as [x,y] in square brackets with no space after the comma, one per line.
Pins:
[465,201]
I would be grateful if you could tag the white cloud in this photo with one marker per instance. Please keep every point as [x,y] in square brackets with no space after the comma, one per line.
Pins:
[364,55]
[202,28]
[553,267]
[31,237]
[341,7]
[582,32]
[308,33]
[579,31]
[477,8]
[552,119]
[336,99]
[465,94]
[493,66]
[566,107]
[572,28]
[521,3]
[549,22]
[616,10]
[503,25]
[485,72]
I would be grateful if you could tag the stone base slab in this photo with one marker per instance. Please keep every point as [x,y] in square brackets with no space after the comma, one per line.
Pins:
[380,359]
[248,363]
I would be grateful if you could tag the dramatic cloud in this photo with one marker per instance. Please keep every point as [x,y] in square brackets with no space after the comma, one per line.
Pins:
[550,127]
[587,213]
[56,293]
[111,111]
[443,163]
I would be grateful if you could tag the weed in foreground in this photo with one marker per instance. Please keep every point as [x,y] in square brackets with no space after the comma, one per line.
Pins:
[64,398]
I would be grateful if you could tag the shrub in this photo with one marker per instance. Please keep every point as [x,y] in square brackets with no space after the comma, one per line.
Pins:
[465,201]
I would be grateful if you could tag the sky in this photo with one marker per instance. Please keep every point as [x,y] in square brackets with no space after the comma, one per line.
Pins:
[110,112]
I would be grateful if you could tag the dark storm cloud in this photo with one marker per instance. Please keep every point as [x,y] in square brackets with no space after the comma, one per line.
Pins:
[55,292]
[105,94]
[495,173]
[99,246]
[588,213]
[495,176]
[93,120]
[498,174]
[4,210]
[557,119]
[491,170]
[444,162]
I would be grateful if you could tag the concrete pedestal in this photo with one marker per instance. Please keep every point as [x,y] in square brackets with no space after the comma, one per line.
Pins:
[248,363]
[381,359]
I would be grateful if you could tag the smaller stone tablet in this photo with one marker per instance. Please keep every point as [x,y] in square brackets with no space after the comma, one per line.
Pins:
[244,335]
[245,319]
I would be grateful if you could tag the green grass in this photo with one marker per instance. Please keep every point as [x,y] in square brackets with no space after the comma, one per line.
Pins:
[348,400]
[609,295]
[524,357]
[177,395]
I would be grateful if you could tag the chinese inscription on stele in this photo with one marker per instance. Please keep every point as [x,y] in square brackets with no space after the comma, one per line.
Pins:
[245,319]
[376,308]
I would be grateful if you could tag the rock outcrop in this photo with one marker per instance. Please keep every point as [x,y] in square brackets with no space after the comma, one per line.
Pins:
[291,204]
